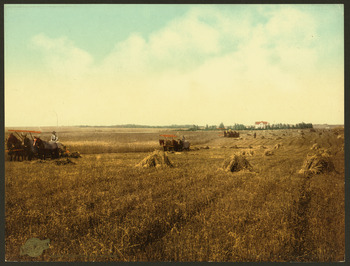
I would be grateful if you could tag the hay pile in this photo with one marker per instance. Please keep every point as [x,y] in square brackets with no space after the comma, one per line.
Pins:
[317,164]
[156,159]
[236,163]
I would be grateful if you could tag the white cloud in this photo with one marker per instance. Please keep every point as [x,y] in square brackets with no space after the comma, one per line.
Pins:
[62,56]
[199,68]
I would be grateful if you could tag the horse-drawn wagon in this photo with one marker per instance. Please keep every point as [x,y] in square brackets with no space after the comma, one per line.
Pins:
[20,146]
[169,143]
[231,134]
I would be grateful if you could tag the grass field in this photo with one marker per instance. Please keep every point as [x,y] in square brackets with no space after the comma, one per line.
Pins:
[103,208]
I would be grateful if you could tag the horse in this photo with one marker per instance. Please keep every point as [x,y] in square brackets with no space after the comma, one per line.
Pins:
[30,149]
[15,147]
[46,149]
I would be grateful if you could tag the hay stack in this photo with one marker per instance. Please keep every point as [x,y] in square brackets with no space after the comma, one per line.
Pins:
[317,164]
[236,163]
[156,159]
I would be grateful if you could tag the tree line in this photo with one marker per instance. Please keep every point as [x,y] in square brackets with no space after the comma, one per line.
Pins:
[236,126]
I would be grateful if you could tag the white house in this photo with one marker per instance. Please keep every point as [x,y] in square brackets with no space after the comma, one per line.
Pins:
[261,124]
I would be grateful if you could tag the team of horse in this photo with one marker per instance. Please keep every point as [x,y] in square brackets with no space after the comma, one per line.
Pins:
[173,144]
[30,148]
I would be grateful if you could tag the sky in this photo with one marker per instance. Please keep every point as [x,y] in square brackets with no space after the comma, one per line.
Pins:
[69,65]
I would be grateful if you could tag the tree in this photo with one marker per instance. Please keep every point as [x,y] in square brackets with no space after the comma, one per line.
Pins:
[221,125]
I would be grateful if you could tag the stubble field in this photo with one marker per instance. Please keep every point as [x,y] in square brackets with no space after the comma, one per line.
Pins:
[104,208]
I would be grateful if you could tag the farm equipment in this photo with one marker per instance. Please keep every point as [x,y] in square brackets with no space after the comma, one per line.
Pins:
[169,143]
[231,134]
[19,145]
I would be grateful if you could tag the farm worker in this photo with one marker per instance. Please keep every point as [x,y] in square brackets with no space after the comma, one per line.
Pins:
[183,138]
[254,134]
[54,136]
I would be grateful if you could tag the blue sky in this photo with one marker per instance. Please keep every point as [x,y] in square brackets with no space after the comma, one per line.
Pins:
[173,64]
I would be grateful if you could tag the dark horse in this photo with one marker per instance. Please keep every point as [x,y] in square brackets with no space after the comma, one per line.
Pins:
[30,149]
[15,147]
[46,149]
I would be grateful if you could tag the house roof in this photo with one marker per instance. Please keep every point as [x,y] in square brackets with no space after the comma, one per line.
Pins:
[261,122]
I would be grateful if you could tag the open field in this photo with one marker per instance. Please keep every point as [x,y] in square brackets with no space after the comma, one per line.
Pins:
[103,208]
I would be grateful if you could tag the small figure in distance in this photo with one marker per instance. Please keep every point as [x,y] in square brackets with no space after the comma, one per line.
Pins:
[54,137]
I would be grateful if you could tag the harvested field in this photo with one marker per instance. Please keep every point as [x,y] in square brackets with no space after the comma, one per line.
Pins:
[103,208]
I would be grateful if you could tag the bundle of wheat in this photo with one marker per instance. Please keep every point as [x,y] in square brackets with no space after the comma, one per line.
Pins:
[155,159]
[236,163]
[234,147]
[317,164]
[268,153]
[262,147]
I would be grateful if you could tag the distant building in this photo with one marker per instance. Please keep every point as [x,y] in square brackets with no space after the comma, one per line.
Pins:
[261,124]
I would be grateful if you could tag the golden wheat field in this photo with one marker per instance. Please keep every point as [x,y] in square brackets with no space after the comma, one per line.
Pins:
[105,208]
